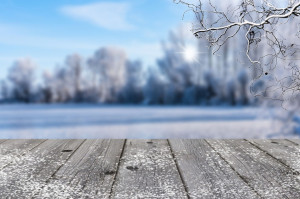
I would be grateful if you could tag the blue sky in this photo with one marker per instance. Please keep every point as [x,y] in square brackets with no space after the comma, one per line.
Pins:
[47,31]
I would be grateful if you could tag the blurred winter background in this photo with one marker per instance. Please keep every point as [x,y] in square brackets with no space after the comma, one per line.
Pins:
[125,69]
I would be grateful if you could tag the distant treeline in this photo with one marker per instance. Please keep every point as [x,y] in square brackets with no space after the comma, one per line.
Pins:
[109,77]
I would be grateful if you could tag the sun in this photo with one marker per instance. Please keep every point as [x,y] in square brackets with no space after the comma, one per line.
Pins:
[190,53]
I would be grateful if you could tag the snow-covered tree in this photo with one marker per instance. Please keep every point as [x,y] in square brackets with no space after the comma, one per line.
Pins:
[48,89]
[109,68]
[176,69]
[154,87]
[21,76]
[132,92]
[271,33]
[265,22]
[74,64]
[61,83]
[4,90]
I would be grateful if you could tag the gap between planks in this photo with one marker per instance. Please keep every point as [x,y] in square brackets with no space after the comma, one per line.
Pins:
[236,172]
[174,157]
[177,167]
[47,181]
[117,170]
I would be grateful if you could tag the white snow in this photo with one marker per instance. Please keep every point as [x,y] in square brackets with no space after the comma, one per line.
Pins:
[95,121]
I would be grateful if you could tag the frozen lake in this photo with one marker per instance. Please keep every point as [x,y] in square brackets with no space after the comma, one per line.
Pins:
[91,121]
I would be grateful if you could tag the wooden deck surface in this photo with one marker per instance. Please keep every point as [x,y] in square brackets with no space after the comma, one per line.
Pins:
[150,169]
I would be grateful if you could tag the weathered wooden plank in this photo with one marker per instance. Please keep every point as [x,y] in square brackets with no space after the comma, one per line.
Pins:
[297,141]
[13,150]
[27,176]
[267,176]
[282,150]
[89,173]
[2,140]
[148,170]
[206,174]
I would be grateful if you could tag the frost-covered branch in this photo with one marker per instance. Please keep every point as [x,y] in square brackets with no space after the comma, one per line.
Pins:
[266,24]
[292,11]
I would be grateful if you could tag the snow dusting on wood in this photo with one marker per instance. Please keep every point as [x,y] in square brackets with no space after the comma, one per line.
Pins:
[149,169]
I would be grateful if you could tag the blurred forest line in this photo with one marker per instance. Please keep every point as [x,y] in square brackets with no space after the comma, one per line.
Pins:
[108,76]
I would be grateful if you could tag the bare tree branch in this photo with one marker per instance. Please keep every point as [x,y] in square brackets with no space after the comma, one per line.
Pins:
[263,23]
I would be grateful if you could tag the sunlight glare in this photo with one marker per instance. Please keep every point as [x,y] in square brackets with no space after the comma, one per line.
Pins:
[190,53]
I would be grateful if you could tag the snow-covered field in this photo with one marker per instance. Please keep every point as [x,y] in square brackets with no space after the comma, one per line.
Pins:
[90,121]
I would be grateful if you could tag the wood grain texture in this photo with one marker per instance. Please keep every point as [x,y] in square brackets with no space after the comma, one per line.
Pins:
[148,170]
[285,151]
[11,151]
[26,177]
[2,140]
[89,173]
[206,174]
[297,141]
[267,176]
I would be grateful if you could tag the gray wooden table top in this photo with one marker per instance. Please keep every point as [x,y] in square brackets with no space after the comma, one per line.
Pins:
[150,169]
